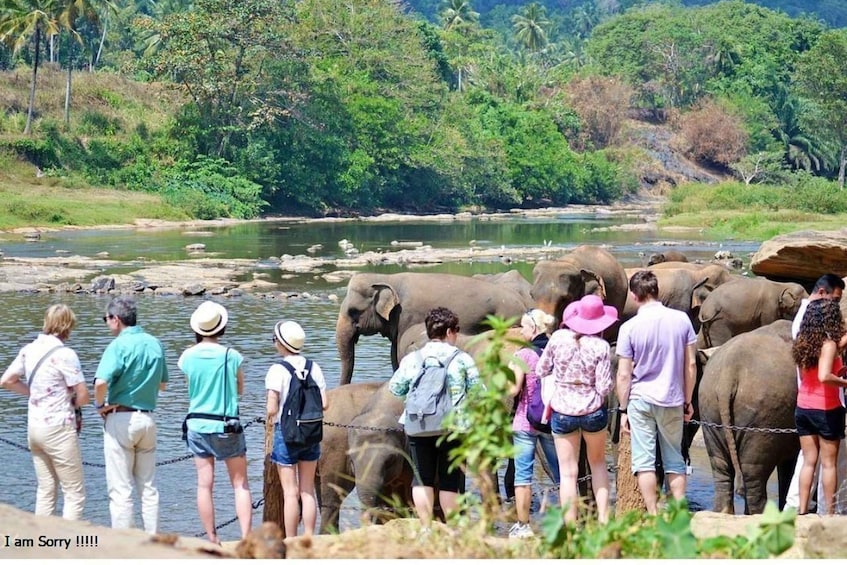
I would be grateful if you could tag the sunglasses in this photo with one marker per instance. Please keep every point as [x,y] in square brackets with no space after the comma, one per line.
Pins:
[106,318]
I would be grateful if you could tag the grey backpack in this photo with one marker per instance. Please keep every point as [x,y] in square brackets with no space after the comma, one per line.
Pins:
[429,399]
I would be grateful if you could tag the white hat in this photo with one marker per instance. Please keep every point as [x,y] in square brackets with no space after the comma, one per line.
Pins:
[290,335]
[209,319]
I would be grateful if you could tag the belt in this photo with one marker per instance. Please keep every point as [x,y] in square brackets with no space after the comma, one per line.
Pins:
[130,409]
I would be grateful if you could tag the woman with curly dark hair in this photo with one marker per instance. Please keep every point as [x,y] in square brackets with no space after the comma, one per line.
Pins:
[819,415]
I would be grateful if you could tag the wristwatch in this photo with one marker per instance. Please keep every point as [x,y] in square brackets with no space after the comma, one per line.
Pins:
[99,406]
[622,410]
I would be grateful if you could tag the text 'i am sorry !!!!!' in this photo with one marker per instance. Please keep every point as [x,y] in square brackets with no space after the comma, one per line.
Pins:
[46,541]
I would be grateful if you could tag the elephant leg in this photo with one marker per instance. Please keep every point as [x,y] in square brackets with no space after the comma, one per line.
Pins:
[723,472]
[755,478]
[331,495]
[784,472]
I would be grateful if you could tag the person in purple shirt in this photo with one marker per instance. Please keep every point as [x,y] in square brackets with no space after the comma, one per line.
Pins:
[655,385]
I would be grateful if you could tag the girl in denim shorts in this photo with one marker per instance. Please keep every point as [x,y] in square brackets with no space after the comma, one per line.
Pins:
[578,360]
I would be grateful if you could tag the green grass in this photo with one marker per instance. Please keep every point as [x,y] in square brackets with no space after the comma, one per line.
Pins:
[29,201]
[733,210]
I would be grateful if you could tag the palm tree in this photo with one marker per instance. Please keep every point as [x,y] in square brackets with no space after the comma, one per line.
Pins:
[803,148]
[21,20]
[91,11]
[531,27]
[458,13]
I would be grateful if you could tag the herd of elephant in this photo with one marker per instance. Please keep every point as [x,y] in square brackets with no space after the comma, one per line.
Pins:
[744,332]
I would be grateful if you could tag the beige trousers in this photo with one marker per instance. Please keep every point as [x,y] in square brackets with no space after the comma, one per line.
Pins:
[58,461]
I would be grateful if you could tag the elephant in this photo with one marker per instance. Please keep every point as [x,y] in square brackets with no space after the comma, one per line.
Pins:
[379,457]
[585,270]
[745,304]
[512,279]
[390,304]
[663,256]
[335,474]
[750,382]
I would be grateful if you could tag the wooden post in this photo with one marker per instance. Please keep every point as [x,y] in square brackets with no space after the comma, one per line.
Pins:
[628,496]
[272,486]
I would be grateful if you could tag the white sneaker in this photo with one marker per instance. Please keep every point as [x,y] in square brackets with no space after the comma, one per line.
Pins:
[519,530]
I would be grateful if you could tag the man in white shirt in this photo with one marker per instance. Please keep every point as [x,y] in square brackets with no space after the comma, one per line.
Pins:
[827,287]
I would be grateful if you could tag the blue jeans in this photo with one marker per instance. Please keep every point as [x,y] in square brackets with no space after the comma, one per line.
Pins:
[287,455]
[525,456]
[649,423]
[563,424]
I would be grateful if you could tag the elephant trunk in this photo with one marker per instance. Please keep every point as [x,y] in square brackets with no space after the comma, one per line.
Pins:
[345,339]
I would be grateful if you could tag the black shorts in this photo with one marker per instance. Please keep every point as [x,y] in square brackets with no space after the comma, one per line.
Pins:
[432,462]
[829,424]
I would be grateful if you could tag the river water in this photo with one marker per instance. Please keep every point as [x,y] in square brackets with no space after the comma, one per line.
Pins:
[249,331]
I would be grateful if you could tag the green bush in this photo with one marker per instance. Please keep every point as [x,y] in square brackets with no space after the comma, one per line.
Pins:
[210,188]
[636,535]
[93,122]
[39,152]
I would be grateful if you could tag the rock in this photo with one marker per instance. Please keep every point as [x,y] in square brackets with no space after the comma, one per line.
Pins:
[827,539]
[103,254]
[723,255]
[166,291]
[196,247]
[802,256]
[314,248]
[264,542]
[102,284]
[193,290]
[32,236]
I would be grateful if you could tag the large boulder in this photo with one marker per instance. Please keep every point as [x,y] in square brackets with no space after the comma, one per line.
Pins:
[802,256]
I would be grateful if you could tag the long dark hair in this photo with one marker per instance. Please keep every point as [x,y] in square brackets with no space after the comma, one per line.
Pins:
[822,322]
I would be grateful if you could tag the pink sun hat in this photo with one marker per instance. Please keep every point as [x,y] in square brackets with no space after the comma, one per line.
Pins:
[589,316]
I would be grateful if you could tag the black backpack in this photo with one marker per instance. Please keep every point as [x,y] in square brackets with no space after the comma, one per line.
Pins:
[302,412]
[428,400]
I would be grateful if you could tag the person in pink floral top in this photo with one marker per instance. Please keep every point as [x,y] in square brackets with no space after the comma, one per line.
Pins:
[579,362]
[49,373]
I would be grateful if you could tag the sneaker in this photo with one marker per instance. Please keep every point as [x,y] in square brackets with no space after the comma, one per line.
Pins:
[519,530]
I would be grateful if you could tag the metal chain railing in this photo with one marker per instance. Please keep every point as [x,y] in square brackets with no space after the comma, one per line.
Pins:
[255,506]
[745,428]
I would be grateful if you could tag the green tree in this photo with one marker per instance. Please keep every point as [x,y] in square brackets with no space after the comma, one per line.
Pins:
[530,27]
[822,77]
[458,13]
[22,20]
[71,12]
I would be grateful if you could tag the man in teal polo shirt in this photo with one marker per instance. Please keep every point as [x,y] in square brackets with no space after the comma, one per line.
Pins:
[131,373]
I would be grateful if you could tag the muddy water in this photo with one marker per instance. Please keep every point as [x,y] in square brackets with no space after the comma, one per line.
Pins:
[251,319]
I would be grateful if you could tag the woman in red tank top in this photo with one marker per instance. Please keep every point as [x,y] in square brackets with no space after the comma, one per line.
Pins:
[820,415]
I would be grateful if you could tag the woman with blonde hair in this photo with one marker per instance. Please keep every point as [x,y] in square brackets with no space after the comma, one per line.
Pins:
[49,373]
[535,325]
[819,415]
[579,361]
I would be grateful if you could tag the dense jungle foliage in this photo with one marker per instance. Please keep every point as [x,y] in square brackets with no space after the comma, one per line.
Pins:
[321,107]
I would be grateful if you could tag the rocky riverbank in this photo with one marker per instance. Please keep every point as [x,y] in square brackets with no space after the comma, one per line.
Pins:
[210,275]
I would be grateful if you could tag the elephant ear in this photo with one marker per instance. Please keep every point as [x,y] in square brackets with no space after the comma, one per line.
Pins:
[787,301]
[696,297]
[591,276]
[385,299]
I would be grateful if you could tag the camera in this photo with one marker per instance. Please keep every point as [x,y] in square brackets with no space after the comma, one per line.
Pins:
[233,426]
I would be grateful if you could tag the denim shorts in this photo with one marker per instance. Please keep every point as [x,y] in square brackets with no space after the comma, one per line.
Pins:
[648,424]
[596,421]
[219,446]
[287,455]
[525,443]
[829,424]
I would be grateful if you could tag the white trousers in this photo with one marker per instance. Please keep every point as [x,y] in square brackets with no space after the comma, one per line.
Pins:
[57,461]
[793,497]
[129,447]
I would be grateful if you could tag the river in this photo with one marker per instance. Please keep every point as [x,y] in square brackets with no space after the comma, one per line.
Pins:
[251,320]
